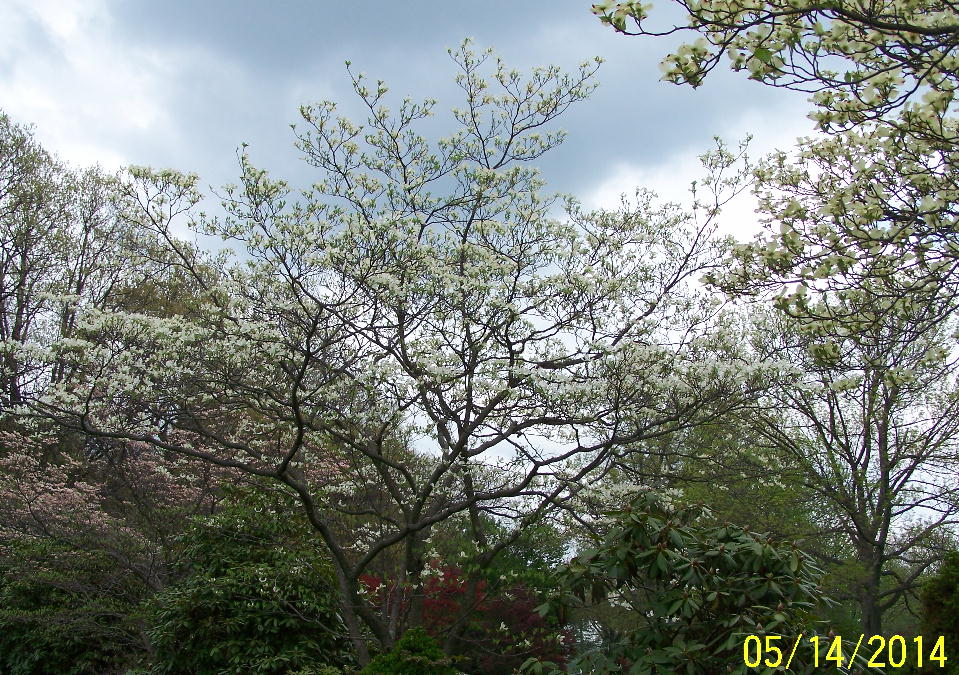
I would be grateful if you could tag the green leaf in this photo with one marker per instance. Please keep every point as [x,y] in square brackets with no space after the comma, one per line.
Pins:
[763,54]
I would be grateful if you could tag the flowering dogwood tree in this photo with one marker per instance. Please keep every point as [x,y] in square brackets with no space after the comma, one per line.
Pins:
[416,336]
[876,198]
[860,60]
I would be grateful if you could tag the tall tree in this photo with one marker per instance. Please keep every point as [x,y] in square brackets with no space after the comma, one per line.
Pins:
[870,425]
[415,337]
[33,208]
[64,245]
[858,250]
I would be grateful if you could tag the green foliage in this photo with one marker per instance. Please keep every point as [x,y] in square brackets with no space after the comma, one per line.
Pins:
[694,590]
[729,467]
[731,470]
[416,653]
[940,611]
[536,551]
[65,611]
[258,598]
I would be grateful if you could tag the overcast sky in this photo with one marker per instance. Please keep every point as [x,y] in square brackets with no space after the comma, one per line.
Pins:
[182,83]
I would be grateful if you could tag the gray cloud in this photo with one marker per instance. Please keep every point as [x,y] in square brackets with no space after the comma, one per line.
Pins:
[208,76]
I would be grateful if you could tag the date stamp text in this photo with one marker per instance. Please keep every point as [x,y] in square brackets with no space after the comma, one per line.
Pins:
[774,651]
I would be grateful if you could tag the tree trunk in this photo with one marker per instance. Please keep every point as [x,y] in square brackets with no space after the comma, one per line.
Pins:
[869,600]
[351,619]
[871,613]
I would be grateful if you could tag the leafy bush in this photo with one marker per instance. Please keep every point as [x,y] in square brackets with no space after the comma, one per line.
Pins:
[693,592]
[65,611]
[940,612]
[503,628]
[258,598]
[416,653]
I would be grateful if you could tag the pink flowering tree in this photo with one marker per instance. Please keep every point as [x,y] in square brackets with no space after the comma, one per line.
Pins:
[85,542]
[129,507]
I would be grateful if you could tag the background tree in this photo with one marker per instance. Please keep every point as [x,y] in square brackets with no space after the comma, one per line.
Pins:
[65,245]
[33,217]
[870,426]
[128,506]
[89,525]
[724,465]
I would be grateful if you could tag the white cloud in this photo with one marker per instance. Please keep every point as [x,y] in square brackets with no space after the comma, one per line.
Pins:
[671,178]
[85,90]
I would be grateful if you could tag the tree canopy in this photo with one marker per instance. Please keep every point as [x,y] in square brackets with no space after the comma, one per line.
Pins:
[422,396]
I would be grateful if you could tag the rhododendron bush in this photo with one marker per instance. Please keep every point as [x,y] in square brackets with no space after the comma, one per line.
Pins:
[67,611]
[256,595]
[690,591]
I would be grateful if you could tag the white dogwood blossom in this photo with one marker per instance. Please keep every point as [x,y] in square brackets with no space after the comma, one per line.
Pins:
[415,337]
